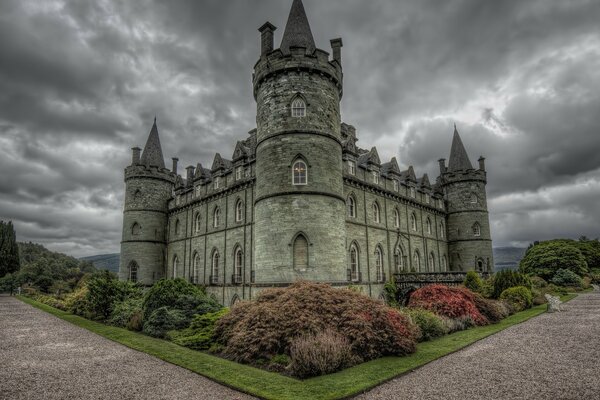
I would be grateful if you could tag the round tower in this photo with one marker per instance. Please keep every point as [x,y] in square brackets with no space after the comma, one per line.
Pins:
[469,238]
[299,203]
[148,188]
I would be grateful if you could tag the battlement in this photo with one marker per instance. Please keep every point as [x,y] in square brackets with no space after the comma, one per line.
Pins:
[464,175]
[145,171]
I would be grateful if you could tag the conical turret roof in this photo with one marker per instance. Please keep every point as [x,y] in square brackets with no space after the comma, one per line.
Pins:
[152,154]
[459,159]
[297,31]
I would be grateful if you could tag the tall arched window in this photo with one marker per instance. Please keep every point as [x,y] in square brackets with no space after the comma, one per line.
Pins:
[351,203]
[428,226]
[444,264]
[398,259]
[175,266]
[239,211]
[298,108]
[476,229]
[214,268]
[380,276]
[198,222]
[396,218]
[177,227]
[133,271]
[238,262]
[300,255]
[417,261]
[216,217]
[354,274]
[413,222]
[196,266]
[376,212]
[442,229]
[299,173]
[136,229]
[431,263]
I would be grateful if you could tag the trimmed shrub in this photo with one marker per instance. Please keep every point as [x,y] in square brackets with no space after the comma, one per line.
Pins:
[545,258]
[493,310]
[473,282]
[179,294]
[104,290]
[199,335]
[267,326]
[566,277]
[451,302]
[124,311]
[519,297]
[538,282]
[164,319]
[506,279]
[320,354]
[430,324]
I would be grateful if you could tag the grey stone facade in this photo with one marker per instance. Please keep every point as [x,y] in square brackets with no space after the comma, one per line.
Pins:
[299,199]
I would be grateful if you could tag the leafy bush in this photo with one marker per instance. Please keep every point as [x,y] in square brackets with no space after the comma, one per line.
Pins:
[50,301]
[77,302]
[320,354]
[451,302]
[104,290]
[267,326]
[545,258]
[164,319]
[519,297]
[506,279]
[493,310]
[390,292]
[124,311]
[430,324]
[199,335]
[538,282]
[179,294]
[473,282]
[566,277]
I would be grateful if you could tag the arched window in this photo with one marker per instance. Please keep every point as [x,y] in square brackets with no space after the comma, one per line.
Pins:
[476,229]
[216,217]
[480,265]
[417,261]
[234,300]
[413,222]
[214,268]
[133,271]
[380,276]
[399,259]
[444,264]
[175,266]
[136,229]
[351,203]
[354,273]
[300,255]
[177,227]
[198,222]
[396,218]
[428,226]
[299,173]
[238,262]
[239,211]
[195,276]
[473,198]
[376,213]
[431,262]
[298,108]
[442,230]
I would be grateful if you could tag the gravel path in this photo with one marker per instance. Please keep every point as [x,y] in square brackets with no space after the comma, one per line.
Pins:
[44,357]
[553,356]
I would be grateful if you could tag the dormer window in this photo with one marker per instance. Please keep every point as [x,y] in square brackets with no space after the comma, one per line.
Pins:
[395,184]
[298,108]
[216,183]
[375,177]
[426,198]
[238,173]
[413,193]
[351,167]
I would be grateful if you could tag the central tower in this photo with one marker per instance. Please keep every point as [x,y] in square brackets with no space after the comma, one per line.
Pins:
[299,189]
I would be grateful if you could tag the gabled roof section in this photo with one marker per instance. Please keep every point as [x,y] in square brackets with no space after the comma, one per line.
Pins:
[220,163]
[369,157]
[297,30]
[390,167]
[202,173]
[240,151]
[152,155]
[424,181]
[409,174]
[459,159]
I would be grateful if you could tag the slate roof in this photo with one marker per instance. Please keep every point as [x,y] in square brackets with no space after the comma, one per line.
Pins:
[297,31]
[459,159]
[152,154]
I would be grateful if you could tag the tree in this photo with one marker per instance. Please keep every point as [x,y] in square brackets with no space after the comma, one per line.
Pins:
[9,251]
[545,258]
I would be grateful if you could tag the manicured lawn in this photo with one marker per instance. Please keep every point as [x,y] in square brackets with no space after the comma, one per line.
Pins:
[274,386]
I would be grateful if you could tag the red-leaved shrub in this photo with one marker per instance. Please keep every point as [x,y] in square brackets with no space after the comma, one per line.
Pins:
[451,302]
[259,329]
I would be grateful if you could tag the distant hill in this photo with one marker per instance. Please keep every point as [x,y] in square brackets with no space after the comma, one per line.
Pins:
[105,261]
[508,257]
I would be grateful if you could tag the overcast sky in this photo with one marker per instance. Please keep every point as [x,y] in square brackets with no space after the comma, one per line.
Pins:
[81,81]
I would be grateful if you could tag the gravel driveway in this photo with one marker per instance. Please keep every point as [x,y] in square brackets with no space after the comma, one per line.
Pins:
[44,357]
[553,356]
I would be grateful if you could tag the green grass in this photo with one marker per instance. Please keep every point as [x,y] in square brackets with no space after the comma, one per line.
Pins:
[270,385]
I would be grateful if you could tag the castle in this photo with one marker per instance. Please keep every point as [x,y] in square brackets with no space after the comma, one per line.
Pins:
[299,199]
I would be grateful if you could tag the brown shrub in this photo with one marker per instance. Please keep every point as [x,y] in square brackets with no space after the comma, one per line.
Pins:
[136,322]
[320,354]
[493,310]
[261,329]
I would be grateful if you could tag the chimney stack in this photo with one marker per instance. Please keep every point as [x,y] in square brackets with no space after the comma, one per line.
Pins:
[481,163]
[266,38]
[336,46]
[442,162]
[174,170]
[190,175]
[135,155]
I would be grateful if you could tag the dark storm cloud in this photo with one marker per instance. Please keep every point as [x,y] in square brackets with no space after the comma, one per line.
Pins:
[81,81]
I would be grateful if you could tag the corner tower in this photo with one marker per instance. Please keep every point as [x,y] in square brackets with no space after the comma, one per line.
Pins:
[299,203]
[148,187]
[469,239]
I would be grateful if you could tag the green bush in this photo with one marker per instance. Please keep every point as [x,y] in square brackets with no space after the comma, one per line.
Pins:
[519,297]
[538,282]
[473,282]
[545,258]
[507,279]
[77,302]
[179,294]
[430,324]
[51,301]
[199,335]
[566,277]
[390,292]
[104,290]
[124,311]
[164,319]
